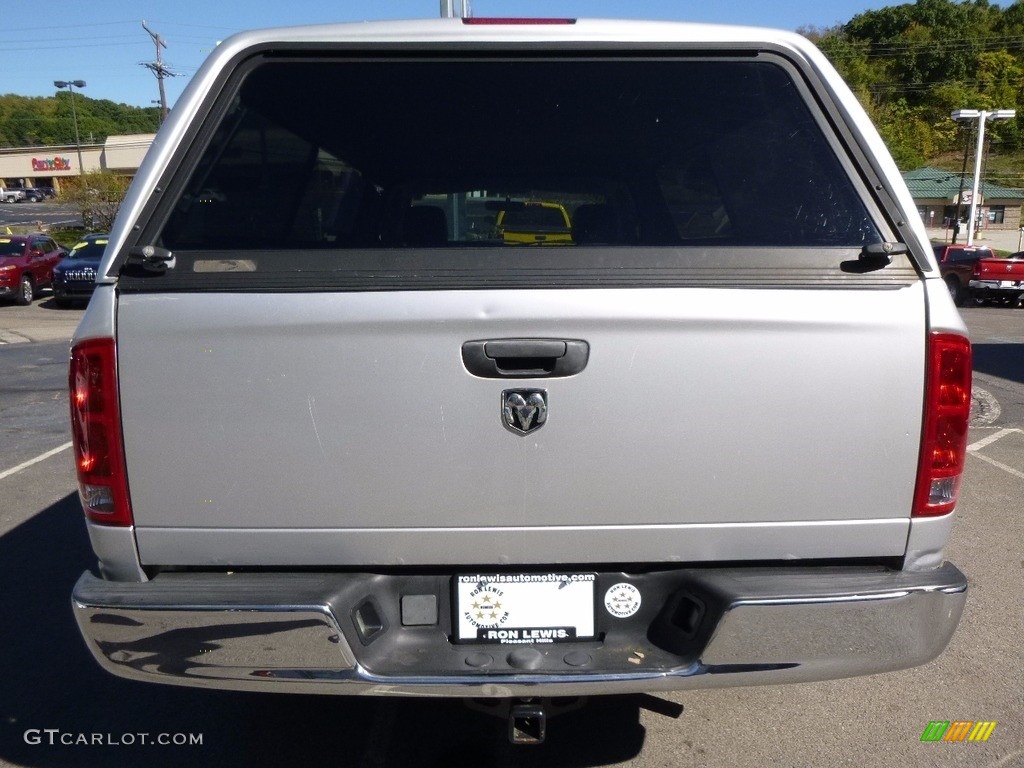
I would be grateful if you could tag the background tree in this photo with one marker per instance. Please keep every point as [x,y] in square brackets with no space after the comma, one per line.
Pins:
[40,121]
[97,195]
[912,64]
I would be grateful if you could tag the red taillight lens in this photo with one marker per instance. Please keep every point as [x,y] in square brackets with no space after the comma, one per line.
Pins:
[96,432]
[947,413]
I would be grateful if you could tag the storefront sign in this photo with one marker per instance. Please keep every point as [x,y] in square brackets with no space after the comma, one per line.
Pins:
[51,164]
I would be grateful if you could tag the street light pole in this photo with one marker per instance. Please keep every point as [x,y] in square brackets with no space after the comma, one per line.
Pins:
[981,116]
[71,85]
[960,191]
[449,10]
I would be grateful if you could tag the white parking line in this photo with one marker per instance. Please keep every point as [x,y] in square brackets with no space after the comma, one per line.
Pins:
[1000,465]
[991,439]
[36,460]
[973,449]
[12,337]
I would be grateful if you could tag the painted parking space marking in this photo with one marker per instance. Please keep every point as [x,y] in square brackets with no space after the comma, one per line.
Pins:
[36,460]
[977,446]
[1000,465]
[974,450]
[12,337]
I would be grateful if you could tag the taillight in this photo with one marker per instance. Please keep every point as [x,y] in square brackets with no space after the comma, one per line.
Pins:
[96,432]
[946,417]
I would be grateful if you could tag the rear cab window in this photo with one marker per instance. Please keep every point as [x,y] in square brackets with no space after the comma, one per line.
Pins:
[416,173]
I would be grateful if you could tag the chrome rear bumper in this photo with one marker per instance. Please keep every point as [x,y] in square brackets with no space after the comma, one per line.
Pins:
[297,633]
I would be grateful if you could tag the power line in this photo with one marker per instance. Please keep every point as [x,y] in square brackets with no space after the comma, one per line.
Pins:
[868,49]
[195,26]
[8,30]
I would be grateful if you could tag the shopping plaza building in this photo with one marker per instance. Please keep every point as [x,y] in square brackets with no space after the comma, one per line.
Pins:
[52,166]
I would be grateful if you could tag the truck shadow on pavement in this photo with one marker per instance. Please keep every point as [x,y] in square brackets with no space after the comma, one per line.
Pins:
[59,708]
[48,302]
[1005,361]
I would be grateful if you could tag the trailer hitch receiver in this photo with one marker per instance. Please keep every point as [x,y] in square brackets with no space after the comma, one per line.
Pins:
[527,723]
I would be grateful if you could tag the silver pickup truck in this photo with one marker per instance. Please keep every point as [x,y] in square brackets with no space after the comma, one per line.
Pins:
[11,195]
[334,433]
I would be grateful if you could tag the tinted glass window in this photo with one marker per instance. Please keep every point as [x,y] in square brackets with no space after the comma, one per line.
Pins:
[638,153]
[88,249]
[11,246]
[534,217]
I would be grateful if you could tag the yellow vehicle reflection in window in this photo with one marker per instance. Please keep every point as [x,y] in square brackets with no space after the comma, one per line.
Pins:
[534,223]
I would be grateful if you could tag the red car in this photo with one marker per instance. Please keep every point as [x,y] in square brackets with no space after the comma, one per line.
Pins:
[26,265]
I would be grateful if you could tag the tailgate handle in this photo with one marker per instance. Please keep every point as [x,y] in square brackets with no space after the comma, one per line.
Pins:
[525,358]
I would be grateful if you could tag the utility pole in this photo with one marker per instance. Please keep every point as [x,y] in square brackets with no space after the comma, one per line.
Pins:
[157,68]
[960,194]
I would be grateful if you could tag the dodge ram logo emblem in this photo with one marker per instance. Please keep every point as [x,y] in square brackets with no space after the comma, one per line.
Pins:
[524,410]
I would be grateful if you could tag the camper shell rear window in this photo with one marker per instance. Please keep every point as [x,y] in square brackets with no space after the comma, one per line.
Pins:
[358,163]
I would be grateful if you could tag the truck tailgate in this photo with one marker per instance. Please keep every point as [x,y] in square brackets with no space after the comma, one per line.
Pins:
[335,429]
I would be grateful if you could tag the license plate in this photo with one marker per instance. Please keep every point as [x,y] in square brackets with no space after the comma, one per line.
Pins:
[524,607]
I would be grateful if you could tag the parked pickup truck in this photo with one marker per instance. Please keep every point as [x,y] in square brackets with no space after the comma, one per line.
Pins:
[11,194]
[999,280]
[956,265]
[329,439]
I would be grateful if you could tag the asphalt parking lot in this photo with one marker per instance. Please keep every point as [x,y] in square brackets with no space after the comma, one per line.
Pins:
[43,320]
[53,690]
[39,216]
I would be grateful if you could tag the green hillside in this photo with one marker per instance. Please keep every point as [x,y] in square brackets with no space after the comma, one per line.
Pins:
[44,120]
[911,65]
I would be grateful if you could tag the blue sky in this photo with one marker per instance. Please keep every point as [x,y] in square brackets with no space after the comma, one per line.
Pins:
[103,42]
